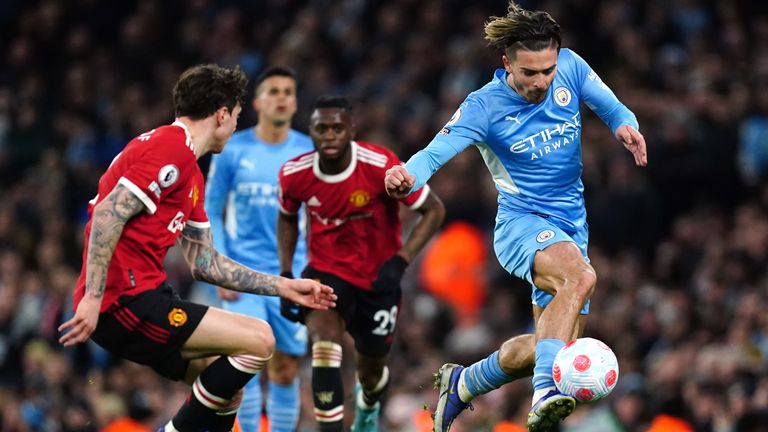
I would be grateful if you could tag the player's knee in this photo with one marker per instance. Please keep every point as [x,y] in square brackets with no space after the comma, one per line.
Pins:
[587,280]
[262,340]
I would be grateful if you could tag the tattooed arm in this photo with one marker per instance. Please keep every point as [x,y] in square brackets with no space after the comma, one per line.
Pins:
[209,265]
[109,217]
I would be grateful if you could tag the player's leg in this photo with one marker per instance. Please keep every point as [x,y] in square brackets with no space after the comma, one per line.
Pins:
[562,271]
[373,329]
[249,413]
[517,238]
[326,329]
[244,344]
[283,402]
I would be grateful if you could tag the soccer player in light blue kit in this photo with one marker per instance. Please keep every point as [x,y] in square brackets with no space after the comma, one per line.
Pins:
[527,125]
[241,202]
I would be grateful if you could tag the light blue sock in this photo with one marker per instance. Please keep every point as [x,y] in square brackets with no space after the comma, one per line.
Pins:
[485,375]
[249,414]
[546,350]
[283,406]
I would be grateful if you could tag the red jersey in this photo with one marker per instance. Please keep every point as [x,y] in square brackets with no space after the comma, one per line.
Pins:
[354,226]
[160,168]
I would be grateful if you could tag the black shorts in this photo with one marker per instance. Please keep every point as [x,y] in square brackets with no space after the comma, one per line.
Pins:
[150,328]
[370,316]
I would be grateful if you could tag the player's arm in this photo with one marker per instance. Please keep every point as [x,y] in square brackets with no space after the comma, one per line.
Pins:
[208,265]
[109,218]
[432,213]
[603,102]
[287,237]
[468,125]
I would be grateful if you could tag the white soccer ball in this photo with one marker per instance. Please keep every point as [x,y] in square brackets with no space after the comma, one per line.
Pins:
[586,369]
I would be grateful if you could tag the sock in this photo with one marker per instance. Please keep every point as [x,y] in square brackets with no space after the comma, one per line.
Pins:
[209,406]
[546,350]
[283,406]
[327,387]
[482,377]
[367,400]
[249,415]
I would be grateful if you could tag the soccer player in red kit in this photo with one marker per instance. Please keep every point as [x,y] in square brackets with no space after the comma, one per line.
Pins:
[354,246]
[149,198]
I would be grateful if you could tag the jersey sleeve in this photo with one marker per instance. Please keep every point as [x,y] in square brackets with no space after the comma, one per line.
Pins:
[469,125]
[157,172]
[600,98]
[289,203]
[220,175]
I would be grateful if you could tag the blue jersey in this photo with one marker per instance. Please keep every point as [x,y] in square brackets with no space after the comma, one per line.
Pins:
[241,199]
[533,150]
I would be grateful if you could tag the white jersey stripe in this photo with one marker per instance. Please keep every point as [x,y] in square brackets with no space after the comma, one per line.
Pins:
[148,203]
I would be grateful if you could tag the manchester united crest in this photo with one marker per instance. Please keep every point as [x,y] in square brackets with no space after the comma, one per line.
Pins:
[177,317]
[359,198]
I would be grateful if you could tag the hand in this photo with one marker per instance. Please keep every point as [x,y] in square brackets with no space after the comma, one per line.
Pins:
[398,182]
[227,294]
[390,275]
[307,292]
[82,325]
[634,142]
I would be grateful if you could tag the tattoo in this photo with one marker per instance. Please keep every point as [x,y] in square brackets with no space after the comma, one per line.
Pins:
[109,218]
[210,266]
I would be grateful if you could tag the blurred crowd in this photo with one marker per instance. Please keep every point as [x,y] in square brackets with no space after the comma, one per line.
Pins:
[680,247]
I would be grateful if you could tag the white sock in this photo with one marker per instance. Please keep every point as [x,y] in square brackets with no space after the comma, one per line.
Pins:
[464,393]
[538,394]
[169,427]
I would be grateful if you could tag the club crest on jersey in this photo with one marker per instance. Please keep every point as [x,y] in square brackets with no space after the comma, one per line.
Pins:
[562,96]
[177,317]
[454,118]
[545,235]
[359,198]
[168,175]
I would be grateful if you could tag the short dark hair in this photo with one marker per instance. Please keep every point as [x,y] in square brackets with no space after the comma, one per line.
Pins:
[333,102]
[269,72]
[201,90]
[521,28]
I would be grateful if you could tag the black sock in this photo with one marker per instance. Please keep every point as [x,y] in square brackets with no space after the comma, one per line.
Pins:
[327,387]
[375,395]
[209,405]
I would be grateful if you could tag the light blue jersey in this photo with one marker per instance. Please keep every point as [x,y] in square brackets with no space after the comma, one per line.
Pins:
[533,151]
[241,199]
[241,203]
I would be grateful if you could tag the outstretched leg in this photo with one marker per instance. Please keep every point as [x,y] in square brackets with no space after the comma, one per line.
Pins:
[457,385]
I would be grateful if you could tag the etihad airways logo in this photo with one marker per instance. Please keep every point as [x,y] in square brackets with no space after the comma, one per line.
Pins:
[548,139]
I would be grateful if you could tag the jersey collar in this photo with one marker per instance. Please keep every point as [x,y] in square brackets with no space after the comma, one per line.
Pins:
[500,76]
[186,132]
[340,177]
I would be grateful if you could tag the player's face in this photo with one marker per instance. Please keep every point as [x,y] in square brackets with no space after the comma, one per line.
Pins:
[275,100]
[331,131]
[531,72]
[227,123]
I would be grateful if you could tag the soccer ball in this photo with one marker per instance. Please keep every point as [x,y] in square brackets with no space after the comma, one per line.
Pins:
[586,369]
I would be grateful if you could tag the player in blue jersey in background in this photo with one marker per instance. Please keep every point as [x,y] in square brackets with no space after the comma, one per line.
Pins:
[241,202]
[527,125]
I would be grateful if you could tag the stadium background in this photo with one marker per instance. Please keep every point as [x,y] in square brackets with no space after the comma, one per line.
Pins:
[680,247]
